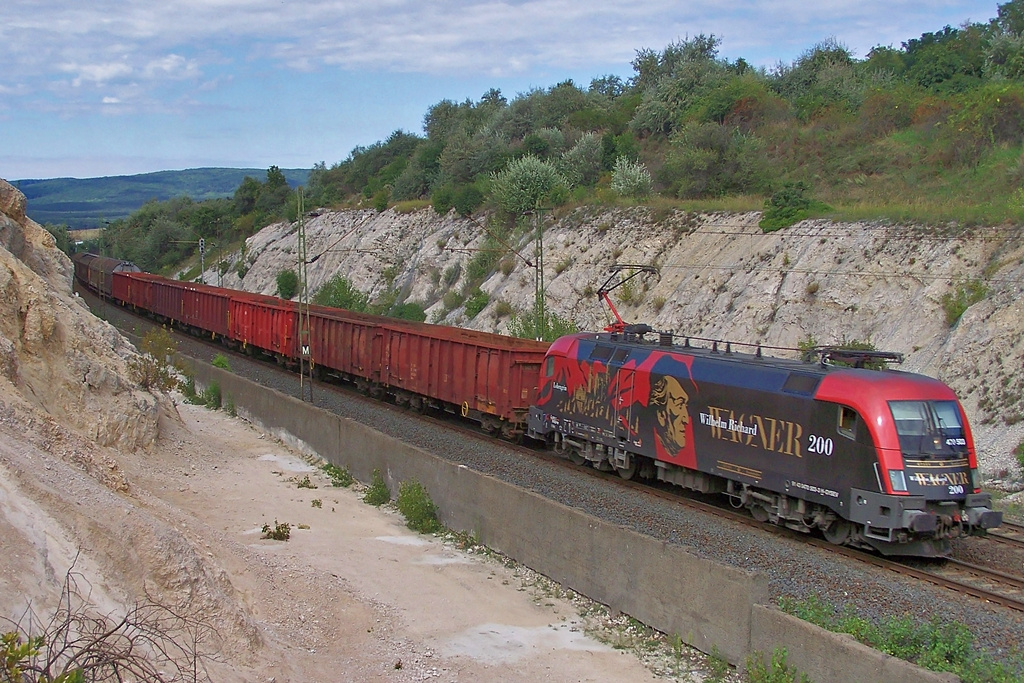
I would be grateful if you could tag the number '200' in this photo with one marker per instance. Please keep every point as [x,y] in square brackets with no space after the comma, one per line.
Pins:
[819,444]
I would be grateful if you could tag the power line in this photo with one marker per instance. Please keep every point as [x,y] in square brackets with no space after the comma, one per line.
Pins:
[848,273]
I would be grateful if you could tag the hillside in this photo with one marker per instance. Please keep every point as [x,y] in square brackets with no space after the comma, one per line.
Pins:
[83,203]
[719,277]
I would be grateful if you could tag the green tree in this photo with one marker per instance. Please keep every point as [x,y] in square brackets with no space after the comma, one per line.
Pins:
[524,184]
[246,195]
[581,165]
[61,236]
[631,179]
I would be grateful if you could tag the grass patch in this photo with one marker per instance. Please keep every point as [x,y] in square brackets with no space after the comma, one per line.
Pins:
[411,205]
[945,647]
[221,361]
[776,670]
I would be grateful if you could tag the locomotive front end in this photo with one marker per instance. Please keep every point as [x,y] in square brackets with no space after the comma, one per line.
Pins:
[928,486]
[939,466]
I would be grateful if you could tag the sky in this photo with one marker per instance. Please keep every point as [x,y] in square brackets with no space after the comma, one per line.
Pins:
[119,87]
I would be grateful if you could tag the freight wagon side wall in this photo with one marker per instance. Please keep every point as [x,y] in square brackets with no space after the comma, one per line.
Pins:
[271,328]
[206,309]
[167,299]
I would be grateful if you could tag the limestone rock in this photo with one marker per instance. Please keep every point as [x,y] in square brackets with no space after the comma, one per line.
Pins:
[60,357]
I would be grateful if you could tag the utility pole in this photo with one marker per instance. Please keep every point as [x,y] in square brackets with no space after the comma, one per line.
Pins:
[540,323]
[202,262]
[305,359]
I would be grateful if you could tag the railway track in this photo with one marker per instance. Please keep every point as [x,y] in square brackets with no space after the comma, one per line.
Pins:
[964,578]
[1008,534]
[961,577]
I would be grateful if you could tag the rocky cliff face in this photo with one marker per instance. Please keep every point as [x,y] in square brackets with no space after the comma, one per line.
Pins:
[54,353]
[719,277]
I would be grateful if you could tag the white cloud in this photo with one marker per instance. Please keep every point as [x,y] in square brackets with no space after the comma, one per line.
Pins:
[172,66]
[111,100]
[177,39]
[96,73]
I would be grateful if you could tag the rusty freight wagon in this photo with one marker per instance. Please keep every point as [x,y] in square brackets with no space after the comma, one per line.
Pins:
[489,378]
[97,272]
[197,308]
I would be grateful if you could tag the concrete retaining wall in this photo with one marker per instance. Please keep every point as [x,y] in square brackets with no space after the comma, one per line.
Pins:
[708,605]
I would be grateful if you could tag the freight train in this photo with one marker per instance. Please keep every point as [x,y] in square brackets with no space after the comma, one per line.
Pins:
[877,459]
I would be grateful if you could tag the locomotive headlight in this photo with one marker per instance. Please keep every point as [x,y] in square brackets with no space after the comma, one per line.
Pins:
[897,481]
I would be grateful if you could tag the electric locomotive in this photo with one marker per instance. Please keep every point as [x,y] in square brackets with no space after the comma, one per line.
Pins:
[872,458]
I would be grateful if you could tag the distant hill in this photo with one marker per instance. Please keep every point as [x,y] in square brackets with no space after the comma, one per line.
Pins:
[88,202]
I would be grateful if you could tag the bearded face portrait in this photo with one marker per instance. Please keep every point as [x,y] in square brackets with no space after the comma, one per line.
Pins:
[670,401]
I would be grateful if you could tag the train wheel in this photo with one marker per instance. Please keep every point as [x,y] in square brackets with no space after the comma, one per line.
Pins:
[838,532]
[576,458]
[627,473]
[759,512]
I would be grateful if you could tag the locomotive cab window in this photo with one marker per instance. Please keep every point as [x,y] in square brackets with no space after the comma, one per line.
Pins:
[620,355]
[601,353]
[847,422]
[549,366]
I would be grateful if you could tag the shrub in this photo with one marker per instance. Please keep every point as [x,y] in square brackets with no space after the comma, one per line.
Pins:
[220,361]
[502,308]
[1019,452]
[279,532]
[789,205]
[631,179]
[377,492]
[485,261]
[149,373]
[211,396]
[340,477]
[936,646]
[524,325]
[476,302]
[956,303]
[452,300]
[408,311]
[711,160]
[338,292]
[151,369]
[287,283]
[380,200]
[451,274]
[467,199]
[188,388]
[443,200]
[416,506]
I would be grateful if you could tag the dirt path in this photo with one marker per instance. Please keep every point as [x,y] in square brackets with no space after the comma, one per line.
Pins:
[353,595]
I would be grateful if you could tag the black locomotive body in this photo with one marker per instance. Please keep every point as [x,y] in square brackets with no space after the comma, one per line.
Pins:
[883,459]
